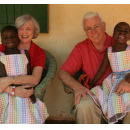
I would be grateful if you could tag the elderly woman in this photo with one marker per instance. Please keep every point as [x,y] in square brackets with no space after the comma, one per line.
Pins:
[28,29]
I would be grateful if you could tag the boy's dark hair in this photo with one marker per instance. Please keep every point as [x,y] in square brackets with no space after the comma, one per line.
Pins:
[121,23]
[8,27]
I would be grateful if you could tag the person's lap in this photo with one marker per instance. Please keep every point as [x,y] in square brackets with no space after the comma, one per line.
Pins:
[88,112]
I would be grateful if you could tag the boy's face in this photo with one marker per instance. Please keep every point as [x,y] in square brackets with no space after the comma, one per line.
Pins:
[9,39]
[122,33]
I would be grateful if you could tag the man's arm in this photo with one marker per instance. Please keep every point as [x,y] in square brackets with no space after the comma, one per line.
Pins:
[68,80]
[79,89]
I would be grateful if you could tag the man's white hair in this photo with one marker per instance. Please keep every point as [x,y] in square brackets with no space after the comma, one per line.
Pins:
[91,15]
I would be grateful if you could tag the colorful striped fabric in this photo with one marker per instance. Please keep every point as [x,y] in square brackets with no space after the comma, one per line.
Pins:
[114,107]
[16,110]
[15,64]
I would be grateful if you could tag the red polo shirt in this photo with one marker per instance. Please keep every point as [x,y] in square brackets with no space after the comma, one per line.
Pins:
[37,55]
[88,58]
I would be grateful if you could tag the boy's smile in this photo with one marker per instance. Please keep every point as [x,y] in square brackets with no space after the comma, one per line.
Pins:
[122,33]
[122,37]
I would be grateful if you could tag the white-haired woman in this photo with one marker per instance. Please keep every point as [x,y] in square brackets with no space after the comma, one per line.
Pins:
[28,29]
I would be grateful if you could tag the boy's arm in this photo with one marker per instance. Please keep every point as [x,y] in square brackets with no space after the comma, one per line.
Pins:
[29,64]
[127,77]
[101,71]
[2,70]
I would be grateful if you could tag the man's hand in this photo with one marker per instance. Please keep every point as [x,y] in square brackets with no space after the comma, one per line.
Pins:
[122,87]
[81,92]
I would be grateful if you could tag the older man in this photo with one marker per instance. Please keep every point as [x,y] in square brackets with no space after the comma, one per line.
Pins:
[87,56]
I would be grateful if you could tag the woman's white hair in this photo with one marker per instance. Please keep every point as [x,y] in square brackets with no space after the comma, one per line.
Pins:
[22,20]
[91,15]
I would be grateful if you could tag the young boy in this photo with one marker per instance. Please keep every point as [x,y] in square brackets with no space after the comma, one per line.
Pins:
[12,64]
[114,101]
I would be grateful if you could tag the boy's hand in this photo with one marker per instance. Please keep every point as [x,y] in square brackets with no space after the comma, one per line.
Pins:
[122,87]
